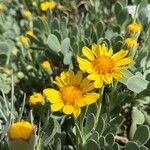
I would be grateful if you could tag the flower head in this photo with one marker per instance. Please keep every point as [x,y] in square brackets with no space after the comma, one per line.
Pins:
[46,65]
[1,6]
[29,33]
[130,43]
[102,65]
[47,5]
[43,17]
[27,14]
[20,130]
[36,99]
[25,40]
[134,28]
[74,93]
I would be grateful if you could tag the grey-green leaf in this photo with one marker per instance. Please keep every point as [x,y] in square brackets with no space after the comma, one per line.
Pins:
[132,146]
[137,84]
[92,145]
[53,43]
[141,135]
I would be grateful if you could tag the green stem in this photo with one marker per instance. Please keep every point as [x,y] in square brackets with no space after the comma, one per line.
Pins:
[113,90]
[98,108]
[136,12]
[79,138]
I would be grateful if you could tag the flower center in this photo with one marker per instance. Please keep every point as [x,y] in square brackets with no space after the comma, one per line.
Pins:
[103,65]
[71,94]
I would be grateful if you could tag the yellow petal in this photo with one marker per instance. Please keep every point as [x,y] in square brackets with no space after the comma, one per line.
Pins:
[52,95]
[117,75]
[60,85]
[78,77]
[68,109]
[70,77]
[85,83]
[57,106]
[76,111]
[93,76]
[90,98]
[63,75]
[88,53]
[89,87]
[104,50]
[59,81]
[98,83]
[124,61]
[110,52]
[119,55]
[85,65]
[107,78]
[95,50]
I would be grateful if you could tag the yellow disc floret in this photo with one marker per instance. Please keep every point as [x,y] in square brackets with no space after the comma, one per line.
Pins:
[20,130]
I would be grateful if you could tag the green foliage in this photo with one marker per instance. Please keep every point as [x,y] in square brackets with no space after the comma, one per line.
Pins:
[124,107]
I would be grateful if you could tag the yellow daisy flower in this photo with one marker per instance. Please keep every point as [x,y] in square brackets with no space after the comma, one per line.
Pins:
[130,43]
[36,99]
[29,33]
[27,14]
[46,65]
[25,40]
[102,65]
[134,28]
[20,130]
[47,5]
[74,93]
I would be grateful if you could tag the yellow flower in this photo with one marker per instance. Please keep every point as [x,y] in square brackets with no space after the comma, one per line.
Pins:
[29,33]
[47,5]
[20,130]
[43,17]
[36,99]
[134,28]
[102,65]
[46,65]
[130,43]
[1,6]
[27,14]
[74,93]
[25,40]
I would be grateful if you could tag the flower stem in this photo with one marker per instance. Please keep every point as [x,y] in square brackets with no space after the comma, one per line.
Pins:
[79,138]
[98,108]
[136,12]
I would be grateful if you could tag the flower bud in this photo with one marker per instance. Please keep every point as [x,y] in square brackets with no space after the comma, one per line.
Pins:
[27,14]
[21,136]
[130,44]
[46,65]
[20,75]
[25,40]
[36,99]
[134,30]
